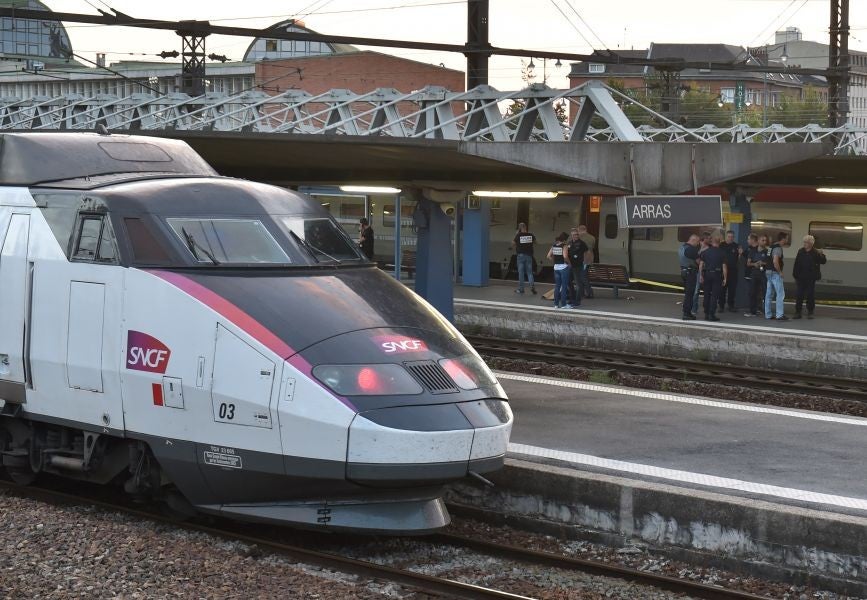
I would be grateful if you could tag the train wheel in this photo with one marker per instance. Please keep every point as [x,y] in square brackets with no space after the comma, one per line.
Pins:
[19,469]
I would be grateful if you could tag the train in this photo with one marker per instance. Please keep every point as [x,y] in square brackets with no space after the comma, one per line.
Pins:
[221,346]
[835,220]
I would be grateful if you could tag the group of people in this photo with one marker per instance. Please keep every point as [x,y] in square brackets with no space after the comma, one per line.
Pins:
[711,264]
[571,254]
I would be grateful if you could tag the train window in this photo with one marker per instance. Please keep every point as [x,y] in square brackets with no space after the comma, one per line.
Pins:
[611,226]
[107,251]
[772,229]
[837,236]
[89,230]
[94,240]
[322,239]
[650,234]
[145,247]
[406,210]
[228,241]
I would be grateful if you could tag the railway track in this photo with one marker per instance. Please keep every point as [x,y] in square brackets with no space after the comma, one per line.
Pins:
[429,584]
[673,368]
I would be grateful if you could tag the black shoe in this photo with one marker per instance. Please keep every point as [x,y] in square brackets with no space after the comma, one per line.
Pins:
[809,315]
[533,291]
[796,316]
[732,309]
[713,318]
[688,317]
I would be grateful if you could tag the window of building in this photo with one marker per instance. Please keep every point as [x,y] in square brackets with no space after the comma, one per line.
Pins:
[270,45]
[650,234]
[727,95]
[611,226]
[772,229]
[837,236]
[596,68]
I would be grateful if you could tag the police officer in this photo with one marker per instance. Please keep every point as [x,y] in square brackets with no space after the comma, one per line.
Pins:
[714,273]
[577,255]
[688,256]
[733,254]
[758,258]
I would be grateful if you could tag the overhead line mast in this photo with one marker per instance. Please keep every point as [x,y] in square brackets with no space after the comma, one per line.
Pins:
[204,27]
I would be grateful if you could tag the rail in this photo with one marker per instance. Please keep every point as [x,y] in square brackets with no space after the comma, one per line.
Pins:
[675,368]
[427,583]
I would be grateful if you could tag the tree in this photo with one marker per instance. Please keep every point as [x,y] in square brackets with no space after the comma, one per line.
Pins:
[810,107]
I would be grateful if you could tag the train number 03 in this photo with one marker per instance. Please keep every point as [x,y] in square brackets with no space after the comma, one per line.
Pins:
[227,411]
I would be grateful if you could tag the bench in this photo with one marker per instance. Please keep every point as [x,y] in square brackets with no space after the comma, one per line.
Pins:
[609,275]
[407,263]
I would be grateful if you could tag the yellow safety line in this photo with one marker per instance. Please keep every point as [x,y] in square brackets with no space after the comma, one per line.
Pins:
[680,288]
[656,283]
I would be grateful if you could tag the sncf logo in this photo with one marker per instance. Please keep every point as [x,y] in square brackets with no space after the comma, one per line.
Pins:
[395,344]
[146,353]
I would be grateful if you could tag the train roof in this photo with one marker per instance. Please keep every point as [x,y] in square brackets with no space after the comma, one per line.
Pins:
[29,159]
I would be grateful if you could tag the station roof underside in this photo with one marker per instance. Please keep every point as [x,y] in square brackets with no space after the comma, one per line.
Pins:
[578,167]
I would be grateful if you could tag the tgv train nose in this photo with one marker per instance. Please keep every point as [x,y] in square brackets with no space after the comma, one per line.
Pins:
[428,443]
[428,409]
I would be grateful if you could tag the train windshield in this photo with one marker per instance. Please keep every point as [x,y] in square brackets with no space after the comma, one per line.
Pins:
[228,241]
[322,239]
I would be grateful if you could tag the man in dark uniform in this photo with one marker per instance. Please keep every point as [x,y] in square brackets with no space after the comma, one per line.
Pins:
[365,240]
[714,272]
[733,254]
[758,257]
[688,256]
[523,245]
[577,254]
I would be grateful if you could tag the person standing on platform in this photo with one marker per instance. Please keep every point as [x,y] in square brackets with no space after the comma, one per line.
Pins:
[703,245]
[733,252]
[559,254]
[589,258]
[757,260]
[577,256]
[774,275]
[806,273]
[523,245]
[365,239]
[714,273]
[688,256]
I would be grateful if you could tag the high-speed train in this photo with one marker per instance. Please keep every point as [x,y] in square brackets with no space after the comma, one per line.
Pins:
[836,221]
[222,345]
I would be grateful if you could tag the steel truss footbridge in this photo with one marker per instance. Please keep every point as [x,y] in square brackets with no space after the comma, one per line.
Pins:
[482,114]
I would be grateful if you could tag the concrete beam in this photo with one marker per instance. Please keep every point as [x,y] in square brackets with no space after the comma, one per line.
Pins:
[648,167]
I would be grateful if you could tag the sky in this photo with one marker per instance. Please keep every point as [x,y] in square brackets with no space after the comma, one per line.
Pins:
[561,25]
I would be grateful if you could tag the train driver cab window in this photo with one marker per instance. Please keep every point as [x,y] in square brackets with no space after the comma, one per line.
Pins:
[94,240]
[228,241]
[322,239]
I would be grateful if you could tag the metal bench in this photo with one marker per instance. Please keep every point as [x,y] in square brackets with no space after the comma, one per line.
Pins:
[615,276]
[407,263]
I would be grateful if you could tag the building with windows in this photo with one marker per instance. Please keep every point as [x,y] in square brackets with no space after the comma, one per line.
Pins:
[759,89]
[789,46]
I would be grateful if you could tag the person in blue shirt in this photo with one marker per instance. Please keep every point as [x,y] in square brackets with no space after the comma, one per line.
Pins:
[688,256]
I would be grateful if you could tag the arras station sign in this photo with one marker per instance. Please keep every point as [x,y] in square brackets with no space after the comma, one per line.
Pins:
[669,211]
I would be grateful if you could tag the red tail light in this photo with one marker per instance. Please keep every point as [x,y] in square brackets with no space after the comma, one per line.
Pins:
[368,381]
[460,374]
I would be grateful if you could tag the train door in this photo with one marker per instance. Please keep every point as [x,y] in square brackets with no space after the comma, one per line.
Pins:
[612,241]
[14,301]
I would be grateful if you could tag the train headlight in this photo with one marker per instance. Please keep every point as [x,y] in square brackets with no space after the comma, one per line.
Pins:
[469,372]
[367,380]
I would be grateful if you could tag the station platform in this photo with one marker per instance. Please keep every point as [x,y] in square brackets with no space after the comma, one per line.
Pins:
[786,489]
[649,323]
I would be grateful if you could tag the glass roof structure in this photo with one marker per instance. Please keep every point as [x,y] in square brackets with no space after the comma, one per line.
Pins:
[271,49]
[32,38]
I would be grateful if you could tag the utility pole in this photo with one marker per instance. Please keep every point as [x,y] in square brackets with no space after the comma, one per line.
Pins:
[838,64]
[477,43]
[193,34]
